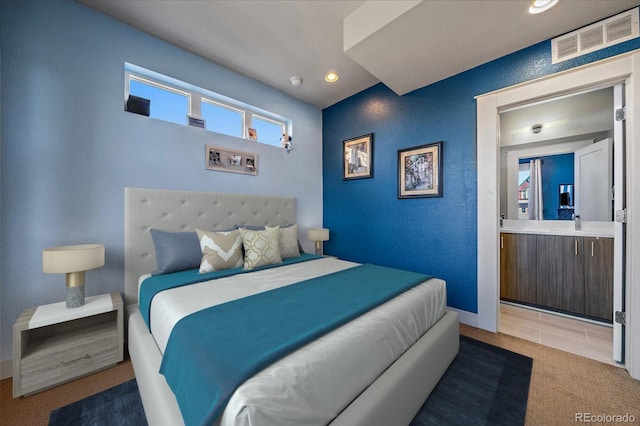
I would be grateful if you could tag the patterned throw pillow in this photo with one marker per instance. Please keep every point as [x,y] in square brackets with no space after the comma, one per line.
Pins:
[220,250]
[260,247]
[288,235]
[288,241]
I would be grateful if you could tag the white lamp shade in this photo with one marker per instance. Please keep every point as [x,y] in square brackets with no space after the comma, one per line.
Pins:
[65,259]
[320,234]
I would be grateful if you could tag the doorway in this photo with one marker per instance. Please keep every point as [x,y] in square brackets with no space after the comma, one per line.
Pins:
[604,73]
[550,279]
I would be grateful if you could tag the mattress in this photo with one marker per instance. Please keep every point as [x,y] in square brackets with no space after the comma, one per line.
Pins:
[312,385]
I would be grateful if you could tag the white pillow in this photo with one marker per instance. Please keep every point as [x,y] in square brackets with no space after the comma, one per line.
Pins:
[288,241]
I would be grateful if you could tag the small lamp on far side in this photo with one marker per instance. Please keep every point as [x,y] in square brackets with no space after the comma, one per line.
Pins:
[74,261]
[318,235]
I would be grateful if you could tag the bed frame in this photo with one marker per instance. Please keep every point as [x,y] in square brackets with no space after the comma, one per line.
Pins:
[393,399]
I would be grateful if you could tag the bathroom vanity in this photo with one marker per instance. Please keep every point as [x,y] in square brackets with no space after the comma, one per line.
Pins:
[561,269]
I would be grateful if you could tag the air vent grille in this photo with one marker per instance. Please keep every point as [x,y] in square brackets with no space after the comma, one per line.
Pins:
[620,28]
[568,46]
[591,38]
[597,36]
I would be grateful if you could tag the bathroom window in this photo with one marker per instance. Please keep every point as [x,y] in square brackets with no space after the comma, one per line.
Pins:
[524,176]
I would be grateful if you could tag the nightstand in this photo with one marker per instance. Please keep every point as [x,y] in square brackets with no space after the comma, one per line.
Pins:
[53,345]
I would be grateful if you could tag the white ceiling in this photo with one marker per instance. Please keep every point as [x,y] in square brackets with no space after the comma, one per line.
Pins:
[581,116]
[404,44]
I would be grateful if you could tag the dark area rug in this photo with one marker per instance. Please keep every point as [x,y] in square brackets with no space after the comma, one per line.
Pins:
[119,406]
[485,385]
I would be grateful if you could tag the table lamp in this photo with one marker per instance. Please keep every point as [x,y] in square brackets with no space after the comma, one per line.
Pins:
[74,261]
[318,235]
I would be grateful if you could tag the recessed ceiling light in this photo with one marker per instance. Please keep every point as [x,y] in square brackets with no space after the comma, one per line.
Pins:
[539,6]
[331,77]
[296,81]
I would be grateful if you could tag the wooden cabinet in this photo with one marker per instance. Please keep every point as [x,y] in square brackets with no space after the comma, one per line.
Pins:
[550,268]
[560,283]
[565,273]
[573,288]
[508,266]
[53,344]
[518,267]
[598,277]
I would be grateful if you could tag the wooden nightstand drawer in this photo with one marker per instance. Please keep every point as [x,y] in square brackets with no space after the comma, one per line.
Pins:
[65,351]
[52,354]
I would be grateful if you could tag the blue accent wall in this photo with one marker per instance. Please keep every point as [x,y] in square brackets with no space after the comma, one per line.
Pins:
[437,236]
[556,170]
[69,148]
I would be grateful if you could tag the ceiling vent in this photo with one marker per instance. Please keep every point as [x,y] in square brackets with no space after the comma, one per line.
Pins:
[597,36]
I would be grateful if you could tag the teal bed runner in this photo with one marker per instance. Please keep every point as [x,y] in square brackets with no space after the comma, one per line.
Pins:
[157,283]
[212,352]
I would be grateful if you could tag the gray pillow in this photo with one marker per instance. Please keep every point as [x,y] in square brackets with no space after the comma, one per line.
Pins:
[175,251]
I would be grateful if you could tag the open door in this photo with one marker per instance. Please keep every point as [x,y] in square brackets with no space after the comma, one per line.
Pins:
[600,196]
[594,181]
[619,207]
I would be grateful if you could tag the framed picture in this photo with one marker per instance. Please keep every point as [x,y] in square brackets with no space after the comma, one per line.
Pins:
[420,171]
[226,160]
[357,158]
[252,134]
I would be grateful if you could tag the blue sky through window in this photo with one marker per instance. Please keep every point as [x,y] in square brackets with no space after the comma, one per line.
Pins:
[268,131]
[222,120]
[165,105]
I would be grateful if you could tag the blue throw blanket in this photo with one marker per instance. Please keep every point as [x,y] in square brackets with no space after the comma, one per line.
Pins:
[157,283]
[212,352]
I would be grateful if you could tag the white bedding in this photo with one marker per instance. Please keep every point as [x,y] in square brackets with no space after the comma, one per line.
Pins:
[312,385]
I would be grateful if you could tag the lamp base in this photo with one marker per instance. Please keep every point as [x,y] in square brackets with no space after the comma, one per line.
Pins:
[319,248]
[75,296]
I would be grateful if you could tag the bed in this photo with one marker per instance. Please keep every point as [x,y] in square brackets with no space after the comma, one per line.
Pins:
[390,389]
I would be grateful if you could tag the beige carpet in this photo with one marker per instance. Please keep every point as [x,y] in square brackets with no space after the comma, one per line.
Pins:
[563,386]
[34,410]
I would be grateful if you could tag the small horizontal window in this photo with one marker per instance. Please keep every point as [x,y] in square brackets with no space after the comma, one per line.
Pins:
[168,99]
[269,131]
[166,104]
[222,119]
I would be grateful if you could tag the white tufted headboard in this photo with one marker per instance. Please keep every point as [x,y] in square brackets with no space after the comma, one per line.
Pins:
[176,211]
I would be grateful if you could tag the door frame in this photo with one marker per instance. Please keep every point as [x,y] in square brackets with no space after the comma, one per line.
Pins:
[623,68]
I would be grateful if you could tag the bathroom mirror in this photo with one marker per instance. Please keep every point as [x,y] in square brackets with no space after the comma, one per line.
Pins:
[554,131]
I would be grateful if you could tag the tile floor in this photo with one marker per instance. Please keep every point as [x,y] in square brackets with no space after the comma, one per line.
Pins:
[580,337]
